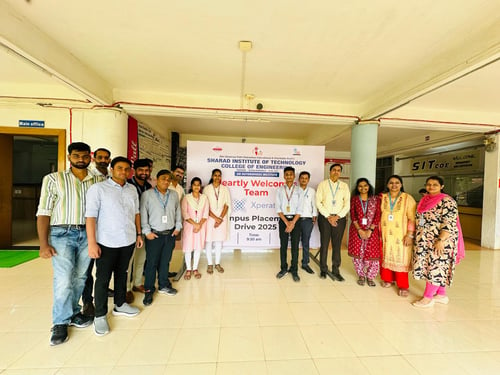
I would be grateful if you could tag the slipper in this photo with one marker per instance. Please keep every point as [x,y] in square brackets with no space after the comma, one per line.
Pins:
[403,292]
[219,268]
[187,276]
[361,281]
[423,305]
[441,299]
[196,274]
[210,269]
[385,284]
[370,282]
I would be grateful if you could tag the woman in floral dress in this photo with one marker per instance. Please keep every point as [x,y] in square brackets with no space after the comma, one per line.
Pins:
[439,243]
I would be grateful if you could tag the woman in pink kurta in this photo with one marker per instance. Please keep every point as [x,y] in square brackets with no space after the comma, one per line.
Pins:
[218,220]
[194,213]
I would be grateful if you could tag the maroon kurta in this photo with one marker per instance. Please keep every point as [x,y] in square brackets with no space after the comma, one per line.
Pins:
[372,244]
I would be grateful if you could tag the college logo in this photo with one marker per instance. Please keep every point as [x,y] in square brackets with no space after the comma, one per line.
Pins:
[296,152]
[257,151]
[239,205]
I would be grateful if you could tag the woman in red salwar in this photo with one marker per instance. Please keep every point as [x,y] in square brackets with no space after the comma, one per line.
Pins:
[364,235]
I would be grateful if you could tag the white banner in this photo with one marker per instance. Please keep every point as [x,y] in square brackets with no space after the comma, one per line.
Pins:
[253,173]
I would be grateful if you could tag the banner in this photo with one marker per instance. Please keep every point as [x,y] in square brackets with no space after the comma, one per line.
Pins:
[253,173]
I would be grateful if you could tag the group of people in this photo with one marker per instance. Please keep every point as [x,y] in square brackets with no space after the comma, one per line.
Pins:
[95,215]
[390,233]
[100,216]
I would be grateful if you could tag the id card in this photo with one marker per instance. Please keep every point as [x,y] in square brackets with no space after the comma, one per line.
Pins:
[164,219]
[333,202]
[421,222]
[364,221]
[390,218]
[287,208]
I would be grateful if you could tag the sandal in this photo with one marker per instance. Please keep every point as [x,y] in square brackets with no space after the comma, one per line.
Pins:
[219,268]
[187,276]
[403,292]
[385,284]
[361,281]
[196,274]
[370,282]
[210,269]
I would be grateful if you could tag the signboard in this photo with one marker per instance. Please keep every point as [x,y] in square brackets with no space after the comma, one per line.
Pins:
[31,124]
[463,161]
[253,173]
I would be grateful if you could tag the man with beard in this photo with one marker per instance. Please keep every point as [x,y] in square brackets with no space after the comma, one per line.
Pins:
[62,236]
[176,183]
[139,180]
[102,158]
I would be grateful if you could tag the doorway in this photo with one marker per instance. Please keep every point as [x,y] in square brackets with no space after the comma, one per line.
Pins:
[28,155]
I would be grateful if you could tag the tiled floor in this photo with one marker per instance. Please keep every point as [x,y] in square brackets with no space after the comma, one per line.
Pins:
[245,321]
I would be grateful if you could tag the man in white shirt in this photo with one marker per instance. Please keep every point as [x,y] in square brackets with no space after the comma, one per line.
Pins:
[307,218]
[176,183]
[333,202]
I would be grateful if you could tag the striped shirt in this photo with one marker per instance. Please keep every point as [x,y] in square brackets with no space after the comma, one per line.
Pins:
[63,197]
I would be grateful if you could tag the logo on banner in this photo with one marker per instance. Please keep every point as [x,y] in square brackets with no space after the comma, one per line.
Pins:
[217,149]
[239,205]
[296,152]
[257,151]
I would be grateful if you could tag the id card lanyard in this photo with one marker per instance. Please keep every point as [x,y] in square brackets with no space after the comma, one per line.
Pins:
[331,190]
[391,205]
[288,198]
[164,218]
[364,208]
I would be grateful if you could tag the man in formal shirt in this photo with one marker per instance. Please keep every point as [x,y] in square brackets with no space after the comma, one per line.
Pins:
[142,172]
[161,221]
[176,183]
[62,236]
[333,203]
[113,230]
[289,209]
[307,218]
[102,158]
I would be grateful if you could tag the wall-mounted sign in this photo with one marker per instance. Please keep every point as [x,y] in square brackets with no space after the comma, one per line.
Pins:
[468,161]
[31,124]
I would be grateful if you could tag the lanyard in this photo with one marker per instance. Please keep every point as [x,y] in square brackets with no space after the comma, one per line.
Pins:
[331,190]
[217,195]
[364,207]
[391,202]
[164,204]
[291,194]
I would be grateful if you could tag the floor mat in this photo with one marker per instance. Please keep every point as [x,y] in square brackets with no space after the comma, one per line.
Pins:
[12,258]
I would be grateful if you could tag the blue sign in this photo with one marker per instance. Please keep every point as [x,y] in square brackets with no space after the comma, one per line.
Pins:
[31,124]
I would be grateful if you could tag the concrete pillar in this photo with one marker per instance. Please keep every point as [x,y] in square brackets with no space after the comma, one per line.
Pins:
[490,229]
[364,151]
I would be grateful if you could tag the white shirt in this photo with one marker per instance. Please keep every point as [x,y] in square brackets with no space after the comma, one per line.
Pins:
[309,200]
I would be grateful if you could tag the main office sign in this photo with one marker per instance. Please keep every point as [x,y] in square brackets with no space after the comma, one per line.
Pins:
[253,173]
[463,161]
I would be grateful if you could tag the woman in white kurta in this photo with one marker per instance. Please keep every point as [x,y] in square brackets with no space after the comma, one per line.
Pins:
[219,201]
[195,213]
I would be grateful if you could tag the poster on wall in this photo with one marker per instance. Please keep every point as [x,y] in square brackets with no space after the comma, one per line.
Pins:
[153,146]
[253,173]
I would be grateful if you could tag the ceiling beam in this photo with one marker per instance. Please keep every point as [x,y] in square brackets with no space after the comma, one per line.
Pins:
[21,38]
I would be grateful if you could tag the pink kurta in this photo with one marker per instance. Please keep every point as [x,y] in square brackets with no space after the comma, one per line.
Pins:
[217,198]
[191,209]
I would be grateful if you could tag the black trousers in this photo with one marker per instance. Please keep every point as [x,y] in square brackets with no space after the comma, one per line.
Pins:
[113,261]
[295,237]
[327,234]
[89,284]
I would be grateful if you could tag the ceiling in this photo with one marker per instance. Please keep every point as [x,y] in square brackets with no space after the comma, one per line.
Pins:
[428,71]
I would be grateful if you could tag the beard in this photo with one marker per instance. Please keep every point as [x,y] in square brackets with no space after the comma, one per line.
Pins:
[80,165]
[102,165]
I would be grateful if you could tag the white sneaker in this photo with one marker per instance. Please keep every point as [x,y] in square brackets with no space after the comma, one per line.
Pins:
[126,310]
[441,299]
[101,326]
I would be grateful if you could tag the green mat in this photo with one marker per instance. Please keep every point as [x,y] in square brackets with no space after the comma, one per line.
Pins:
[12,258]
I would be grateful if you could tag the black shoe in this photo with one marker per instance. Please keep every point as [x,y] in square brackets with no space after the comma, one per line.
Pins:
[280,274]
[172,274]
[88,309]
[307,269]
[81,321]
[295,277]
[337,276]
[322,275]
[148,298]
[111,292]
[59,334]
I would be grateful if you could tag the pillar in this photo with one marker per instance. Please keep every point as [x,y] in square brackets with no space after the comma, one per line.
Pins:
[490,229]
[364,151]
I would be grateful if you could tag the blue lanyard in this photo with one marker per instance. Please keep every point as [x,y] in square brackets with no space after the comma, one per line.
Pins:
[164,204]
[364,207]
[331,190]
[391,203]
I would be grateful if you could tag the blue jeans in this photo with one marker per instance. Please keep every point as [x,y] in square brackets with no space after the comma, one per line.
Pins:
[158,256]
[306,227]
[70,266]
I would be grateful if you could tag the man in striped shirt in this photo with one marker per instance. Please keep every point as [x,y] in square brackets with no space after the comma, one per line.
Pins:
[62,236]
